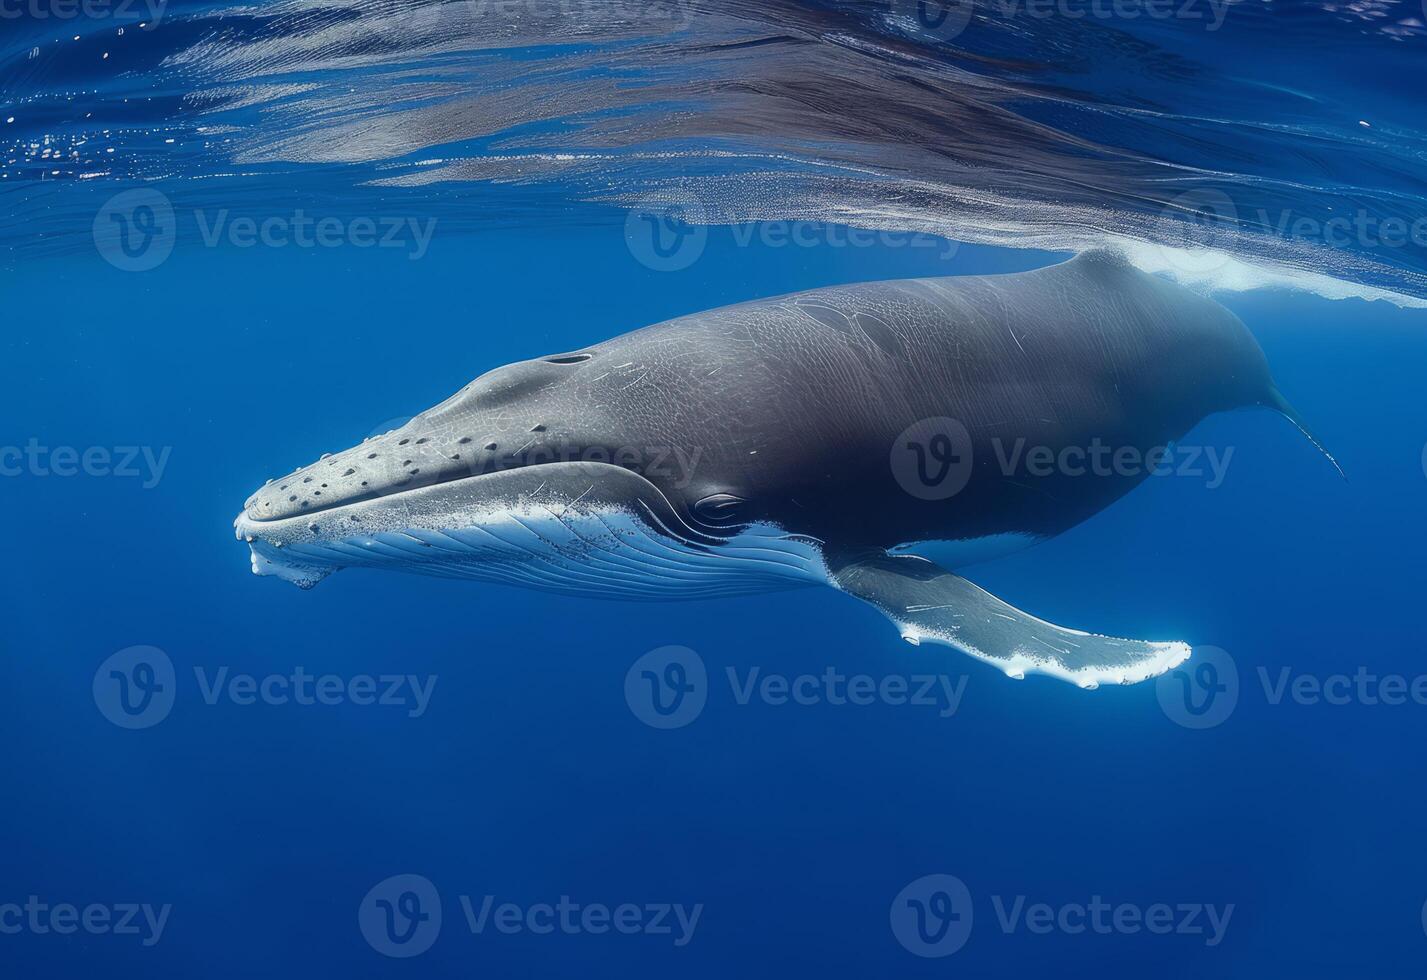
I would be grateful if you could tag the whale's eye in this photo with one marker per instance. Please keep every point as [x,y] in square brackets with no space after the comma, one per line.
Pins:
[719,507]
[568,358]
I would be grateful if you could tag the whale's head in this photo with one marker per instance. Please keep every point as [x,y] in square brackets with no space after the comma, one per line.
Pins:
[553,473]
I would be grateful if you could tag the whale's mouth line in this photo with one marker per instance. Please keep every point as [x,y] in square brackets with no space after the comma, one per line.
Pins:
[396,490]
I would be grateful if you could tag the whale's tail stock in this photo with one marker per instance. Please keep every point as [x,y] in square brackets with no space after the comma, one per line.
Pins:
[1281,405]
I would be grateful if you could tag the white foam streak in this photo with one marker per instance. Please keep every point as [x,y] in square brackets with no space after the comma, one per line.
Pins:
[1220,272]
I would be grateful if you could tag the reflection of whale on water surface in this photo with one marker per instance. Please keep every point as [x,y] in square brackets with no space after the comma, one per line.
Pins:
[849,436]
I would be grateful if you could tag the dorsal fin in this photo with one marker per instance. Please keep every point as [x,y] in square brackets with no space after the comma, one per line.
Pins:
[1102,259]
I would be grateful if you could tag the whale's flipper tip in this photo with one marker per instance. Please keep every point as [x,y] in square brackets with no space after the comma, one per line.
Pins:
[929,603]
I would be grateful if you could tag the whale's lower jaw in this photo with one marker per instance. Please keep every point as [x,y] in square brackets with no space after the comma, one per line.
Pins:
[556,538]
[604,555]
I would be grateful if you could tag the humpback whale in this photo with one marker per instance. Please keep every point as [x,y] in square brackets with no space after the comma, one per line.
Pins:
[851,436]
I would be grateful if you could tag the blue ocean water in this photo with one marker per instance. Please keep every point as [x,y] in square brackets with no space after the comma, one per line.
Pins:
[490,792]
[529,777]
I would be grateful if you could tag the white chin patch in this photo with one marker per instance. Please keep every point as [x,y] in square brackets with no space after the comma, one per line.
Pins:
[601,552]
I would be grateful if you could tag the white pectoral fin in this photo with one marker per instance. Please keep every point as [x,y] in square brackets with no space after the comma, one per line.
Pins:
[929,603]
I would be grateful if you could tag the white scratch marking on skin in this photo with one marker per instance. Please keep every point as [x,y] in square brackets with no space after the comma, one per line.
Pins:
[635,381]
[1047,645]
[577,500]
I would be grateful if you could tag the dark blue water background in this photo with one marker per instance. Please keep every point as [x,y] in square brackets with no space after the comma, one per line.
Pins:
[529,777]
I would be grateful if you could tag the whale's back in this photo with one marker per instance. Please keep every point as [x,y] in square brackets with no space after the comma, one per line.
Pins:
[804,397]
